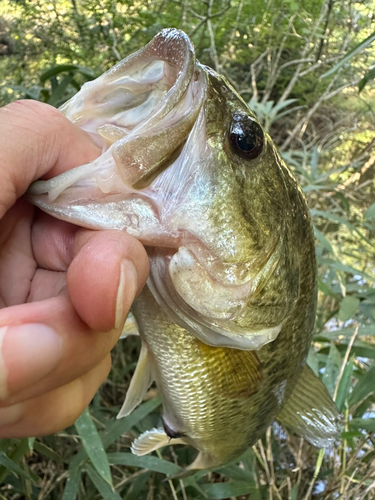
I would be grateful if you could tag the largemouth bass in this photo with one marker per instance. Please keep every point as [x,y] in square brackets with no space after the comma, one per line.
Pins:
[227,316]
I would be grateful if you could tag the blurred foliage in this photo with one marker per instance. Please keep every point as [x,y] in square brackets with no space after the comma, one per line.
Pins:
[307,70]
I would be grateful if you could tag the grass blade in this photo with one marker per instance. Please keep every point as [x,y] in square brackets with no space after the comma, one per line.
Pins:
[13,467]
[147,462]
[344,386]
[358,48]
[364,387]
[104,488]
[72,484]
[221,491]
[93,445]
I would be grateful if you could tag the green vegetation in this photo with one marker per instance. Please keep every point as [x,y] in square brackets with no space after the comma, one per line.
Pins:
[307,70]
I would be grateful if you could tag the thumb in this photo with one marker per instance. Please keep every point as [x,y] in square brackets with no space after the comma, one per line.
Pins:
[36,139]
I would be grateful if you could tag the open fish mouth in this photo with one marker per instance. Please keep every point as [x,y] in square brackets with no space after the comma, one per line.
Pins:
[156,179]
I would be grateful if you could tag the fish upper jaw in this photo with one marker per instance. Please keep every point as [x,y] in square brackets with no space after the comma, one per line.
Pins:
[143,108]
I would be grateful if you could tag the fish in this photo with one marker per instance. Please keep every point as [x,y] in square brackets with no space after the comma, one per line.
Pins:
[227,316]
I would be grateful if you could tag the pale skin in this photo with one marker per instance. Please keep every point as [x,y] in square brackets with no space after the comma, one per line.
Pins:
[64,291]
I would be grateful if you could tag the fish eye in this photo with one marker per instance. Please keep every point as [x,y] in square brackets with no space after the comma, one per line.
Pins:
[246,136]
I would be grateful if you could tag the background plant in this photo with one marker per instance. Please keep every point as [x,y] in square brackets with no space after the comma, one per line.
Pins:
[306,69]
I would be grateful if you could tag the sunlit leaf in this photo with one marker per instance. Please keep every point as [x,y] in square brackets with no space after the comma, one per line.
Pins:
[358,48]
[363,388]
[332,369]
[344,386]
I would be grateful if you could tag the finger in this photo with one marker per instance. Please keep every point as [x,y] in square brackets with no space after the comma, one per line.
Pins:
[55,410]
[52,242]
[46,345]
[50,143]
[108,271]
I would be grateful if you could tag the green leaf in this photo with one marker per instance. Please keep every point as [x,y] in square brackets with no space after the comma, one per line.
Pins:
[367,424]
[136,487]
[368,76]
[323,240]
[147,462]
[363,388]
[93,445]
[370,212]
[313,361]
[32,92]
[344,386]
[348,307]
[119,427]
[351,434]
[44,450]
[294,492]
[220,491]
[358,48]
[346,333]
[12,466]
[116,428]
[72,484]
[30,443]
[336,218]
[105,489]
[64,68]
[325,289]
[235,472]
[332,369]
[60,90]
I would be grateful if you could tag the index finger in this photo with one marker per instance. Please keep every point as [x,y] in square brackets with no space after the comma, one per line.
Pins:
[36,139]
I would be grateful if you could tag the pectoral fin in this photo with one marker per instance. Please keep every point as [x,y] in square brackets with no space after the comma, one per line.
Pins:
[152,440]
[130,328]
[310,411]
[139,384]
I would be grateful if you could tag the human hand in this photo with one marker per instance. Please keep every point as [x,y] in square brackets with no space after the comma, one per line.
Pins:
[64,291]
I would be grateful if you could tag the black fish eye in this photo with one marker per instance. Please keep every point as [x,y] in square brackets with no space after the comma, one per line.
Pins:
[246,136]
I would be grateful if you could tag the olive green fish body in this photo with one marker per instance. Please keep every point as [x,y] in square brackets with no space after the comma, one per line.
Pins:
[227,316]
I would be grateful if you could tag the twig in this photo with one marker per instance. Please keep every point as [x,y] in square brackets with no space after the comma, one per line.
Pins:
[316,472]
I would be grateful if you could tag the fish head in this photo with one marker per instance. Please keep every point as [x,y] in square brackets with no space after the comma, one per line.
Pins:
[188,170]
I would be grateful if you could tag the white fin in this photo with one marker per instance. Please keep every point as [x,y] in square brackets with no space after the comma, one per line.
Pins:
[139,384]
[130,328]
[152,440]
